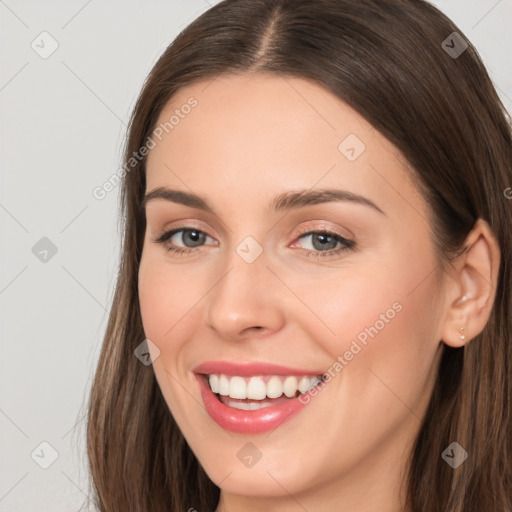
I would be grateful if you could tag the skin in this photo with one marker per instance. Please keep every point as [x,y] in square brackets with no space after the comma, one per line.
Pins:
[251,138]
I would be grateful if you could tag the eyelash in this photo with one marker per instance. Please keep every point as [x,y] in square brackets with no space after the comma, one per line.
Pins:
[178,251]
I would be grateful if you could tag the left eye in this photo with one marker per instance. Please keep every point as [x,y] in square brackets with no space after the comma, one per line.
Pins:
[323,241]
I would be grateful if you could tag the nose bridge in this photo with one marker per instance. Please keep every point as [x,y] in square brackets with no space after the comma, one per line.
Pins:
[246,296]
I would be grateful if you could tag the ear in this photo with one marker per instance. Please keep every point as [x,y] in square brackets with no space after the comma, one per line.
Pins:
[470,294]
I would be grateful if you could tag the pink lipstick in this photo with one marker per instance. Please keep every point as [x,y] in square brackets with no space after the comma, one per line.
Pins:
[247,415]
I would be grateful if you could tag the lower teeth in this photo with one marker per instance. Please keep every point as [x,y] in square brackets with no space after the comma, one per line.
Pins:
[246,405]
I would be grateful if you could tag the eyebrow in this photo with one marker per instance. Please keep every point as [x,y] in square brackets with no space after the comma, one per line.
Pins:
[283,202]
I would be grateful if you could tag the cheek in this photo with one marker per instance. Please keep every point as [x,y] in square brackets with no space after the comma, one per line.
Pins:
[353,304]
[384,335]
[379,306]
[168,302]
[167,298]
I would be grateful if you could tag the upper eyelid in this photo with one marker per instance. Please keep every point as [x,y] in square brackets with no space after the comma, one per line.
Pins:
[193,223]
[169,233]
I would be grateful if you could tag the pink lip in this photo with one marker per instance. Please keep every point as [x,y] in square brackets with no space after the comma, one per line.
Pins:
[247,422]
[249,369]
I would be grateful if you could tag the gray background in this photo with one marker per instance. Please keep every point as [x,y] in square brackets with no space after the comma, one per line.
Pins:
[63,120]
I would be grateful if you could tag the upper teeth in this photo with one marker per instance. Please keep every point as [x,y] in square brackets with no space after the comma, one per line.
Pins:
[258,388]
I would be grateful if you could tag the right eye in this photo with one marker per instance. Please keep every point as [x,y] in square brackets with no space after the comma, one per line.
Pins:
[191,235]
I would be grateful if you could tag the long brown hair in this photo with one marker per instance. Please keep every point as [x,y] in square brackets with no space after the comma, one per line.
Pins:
[385,58]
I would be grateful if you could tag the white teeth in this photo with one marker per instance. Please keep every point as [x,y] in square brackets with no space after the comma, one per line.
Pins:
[290,386]
[274,387]
[245,406]
[255,405]
[303,384]
[256,389]
[314,382]
[260,387]
[239,405]
[237,388]
[224,385]
[214,383]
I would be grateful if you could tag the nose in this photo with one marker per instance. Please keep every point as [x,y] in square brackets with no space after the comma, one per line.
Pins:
[247,301]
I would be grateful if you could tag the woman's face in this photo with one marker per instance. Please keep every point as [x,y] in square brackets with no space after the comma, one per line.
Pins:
[345,284]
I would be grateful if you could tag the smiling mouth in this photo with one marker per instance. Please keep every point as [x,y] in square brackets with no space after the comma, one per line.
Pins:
[257,392]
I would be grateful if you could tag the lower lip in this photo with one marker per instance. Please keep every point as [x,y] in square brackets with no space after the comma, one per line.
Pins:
[247,422]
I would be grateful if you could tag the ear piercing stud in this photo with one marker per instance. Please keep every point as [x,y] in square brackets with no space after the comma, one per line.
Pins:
[461,330]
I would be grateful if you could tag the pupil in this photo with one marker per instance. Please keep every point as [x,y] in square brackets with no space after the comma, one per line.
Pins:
[323,239]
[196,236]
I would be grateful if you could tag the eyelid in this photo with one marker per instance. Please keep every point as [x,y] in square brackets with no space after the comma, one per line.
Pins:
[184,225]
[169,232]
[308,228]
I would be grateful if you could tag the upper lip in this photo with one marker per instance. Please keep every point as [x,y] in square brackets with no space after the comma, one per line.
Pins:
[249,369]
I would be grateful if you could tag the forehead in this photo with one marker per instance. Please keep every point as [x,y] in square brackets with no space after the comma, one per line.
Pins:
[261,109]
[266,132]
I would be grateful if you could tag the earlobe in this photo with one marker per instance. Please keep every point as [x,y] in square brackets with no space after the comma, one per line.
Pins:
[456,333]
[472,289]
